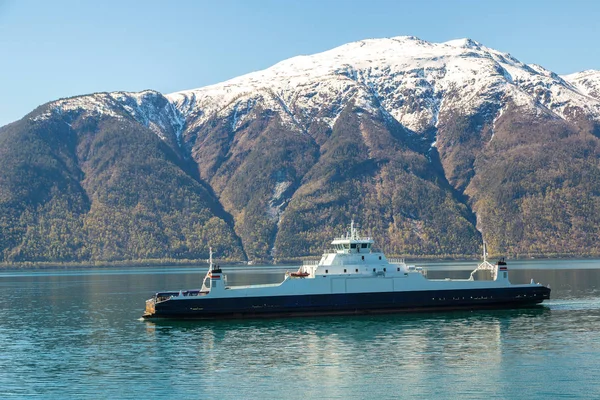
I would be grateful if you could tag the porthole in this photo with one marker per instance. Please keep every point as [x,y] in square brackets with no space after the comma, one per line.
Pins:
[373,269]
[344,270]
[380,257]
[398,269]
[384,270]
[326,271]
[356,269]
[363,258]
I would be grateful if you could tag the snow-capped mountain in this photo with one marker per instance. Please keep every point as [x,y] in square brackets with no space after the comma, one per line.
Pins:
[405,78]
[409,79]
[429,145]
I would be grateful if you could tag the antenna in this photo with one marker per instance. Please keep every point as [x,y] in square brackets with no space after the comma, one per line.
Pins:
[353,231]
[484,251]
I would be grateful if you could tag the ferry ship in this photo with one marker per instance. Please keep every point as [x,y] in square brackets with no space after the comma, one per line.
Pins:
[351,278]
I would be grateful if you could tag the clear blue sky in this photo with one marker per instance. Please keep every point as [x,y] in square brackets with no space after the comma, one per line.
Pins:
[52,49]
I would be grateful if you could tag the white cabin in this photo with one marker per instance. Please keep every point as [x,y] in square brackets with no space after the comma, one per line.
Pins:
[353,254]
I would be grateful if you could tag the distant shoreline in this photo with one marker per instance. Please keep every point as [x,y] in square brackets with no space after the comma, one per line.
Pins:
[43,265]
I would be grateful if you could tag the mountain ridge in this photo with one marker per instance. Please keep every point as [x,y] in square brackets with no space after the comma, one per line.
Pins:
[395,132]
[222,94]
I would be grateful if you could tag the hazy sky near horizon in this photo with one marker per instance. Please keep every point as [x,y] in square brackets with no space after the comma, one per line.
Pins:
[61,48]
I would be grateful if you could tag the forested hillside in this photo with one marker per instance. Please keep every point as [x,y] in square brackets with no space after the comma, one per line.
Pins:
[430,147]
[77,187]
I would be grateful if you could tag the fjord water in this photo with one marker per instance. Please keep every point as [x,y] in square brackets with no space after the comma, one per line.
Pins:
[77,334]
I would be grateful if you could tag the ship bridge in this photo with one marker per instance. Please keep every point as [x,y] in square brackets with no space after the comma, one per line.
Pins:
[352,242]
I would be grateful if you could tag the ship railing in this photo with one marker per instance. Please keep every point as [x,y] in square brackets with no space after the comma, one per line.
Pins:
[162,296]
[396,261]
[308,263]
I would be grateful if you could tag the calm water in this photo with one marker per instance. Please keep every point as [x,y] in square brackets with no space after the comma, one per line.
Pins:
[77,334]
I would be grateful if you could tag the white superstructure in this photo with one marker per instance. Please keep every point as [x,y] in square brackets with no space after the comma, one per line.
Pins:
[353,266]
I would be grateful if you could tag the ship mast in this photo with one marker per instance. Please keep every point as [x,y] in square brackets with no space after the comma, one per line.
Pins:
[485,265]
[484,252]
[212,267]
[353,231]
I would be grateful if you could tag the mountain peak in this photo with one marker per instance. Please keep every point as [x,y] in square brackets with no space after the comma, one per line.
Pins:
[404,77]
[464,43]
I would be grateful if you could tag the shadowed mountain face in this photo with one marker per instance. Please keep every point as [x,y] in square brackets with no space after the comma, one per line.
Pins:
[428,146]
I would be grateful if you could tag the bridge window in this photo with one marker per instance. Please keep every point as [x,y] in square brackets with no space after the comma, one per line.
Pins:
[356,269]
[344,270]
[326,271]
[380,257]
[364,246]
[373,269]
[363,257]
[353,246]
[384,270]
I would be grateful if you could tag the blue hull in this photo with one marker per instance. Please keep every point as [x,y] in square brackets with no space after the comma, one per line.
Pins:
[348,303]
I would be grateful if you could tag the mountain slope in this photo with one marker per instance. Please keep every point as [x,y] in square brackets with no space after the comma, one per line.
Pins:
[85,180]
[456,104]
[428,145]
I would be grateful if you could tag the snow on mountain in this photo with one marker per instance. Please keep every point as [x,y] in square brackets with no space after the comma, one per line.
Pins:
[407,78]
[97,104]
[404,78]
[587,82]
[149,108]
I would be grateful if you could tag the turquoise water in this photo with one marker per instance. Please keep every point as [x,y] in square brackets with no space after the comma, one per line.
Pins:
[77,335]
